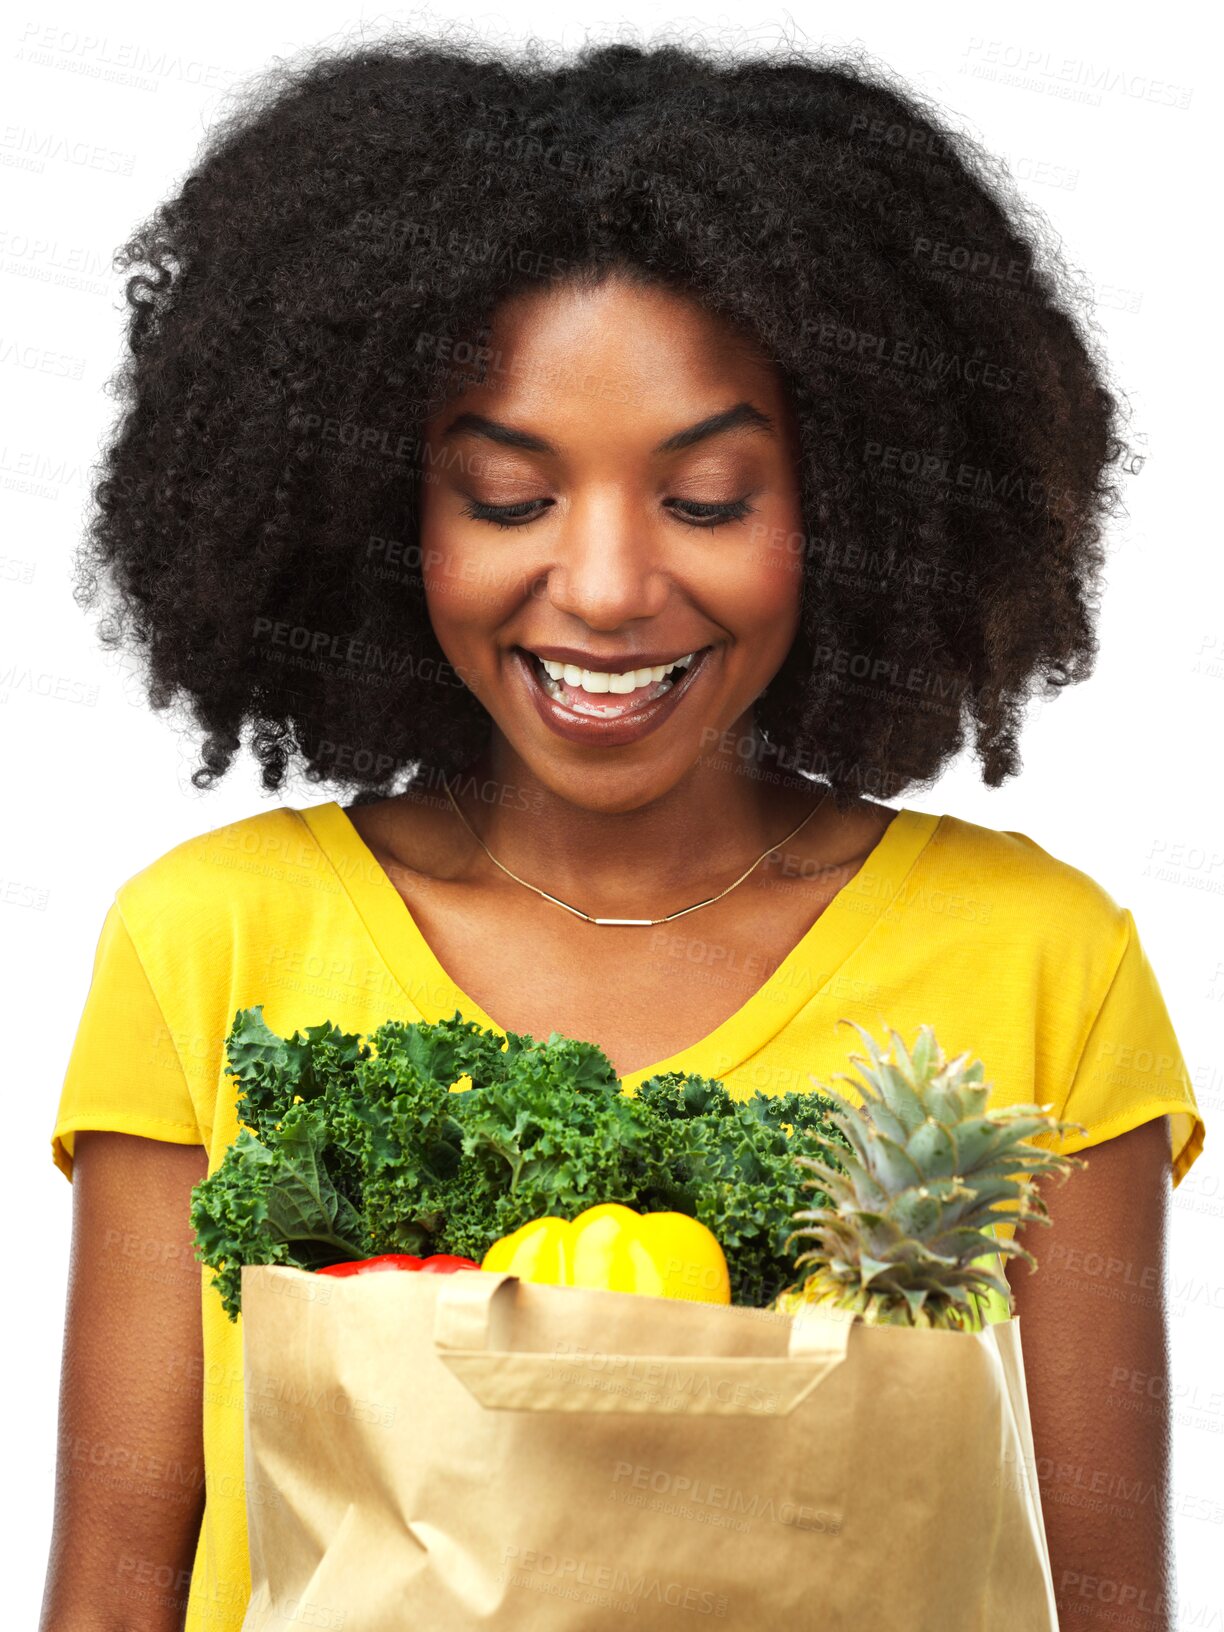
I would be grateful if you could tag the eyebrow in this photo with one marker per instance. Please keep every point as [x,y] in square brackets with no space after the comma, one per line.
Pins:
[744,415]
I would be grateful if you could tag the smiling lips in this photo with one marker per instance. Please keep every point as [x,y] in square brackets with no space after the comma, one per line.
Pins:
[591,712]
[607,695]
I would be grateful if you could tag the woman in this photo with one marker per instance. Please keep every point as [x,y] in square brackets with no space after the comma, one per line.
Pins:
[463,392]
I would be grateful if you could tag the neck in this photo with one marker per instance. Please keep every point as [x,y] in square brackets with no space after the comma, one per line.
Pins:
[692,840]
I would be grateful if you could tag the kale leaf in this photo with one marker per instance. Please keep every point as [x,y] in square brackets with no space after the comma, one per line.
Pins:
[443,1137]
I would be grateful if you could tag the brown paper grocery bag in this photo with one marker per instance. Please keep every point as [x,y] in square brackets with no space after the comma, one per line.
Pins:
[464,1451]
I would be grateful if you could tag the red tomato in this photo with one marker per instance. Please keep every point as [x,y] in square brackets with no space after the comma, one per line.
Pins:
[367,1266]
[442,1263]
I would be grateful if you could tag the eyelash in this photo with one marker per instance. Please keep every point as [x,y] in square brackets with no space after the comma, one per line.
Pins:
[719,514]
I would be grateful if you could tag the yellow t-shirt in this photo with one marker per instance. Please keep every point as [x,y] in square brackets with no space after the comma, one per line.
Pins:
[1008,953]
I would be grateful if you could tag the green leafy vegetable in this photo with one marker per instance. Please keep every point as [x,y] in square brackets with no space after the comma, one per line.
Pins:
[444,1137]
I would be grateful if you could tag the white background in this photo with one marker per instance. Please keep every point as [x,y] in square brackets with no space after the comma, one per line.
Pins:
[1121,775]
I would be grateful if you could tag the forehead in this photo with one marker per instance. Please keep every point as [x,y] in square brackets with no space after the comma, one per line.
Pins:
[564,354]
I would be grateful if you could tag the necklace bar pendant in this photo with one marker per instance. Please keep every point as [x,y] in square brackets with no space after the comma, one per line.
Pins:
[622,920]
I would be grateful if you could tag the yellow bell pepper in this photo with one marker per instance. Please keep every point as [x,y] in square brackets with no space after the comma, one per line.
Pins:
[667,1255]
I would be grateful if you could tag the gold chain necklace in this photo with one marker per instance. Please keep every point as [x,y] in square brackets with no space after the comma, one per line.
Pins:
[635,921]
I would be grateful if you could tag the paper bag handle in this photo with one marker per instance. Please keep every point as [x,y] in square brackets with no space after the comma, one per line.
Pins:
[587,1379]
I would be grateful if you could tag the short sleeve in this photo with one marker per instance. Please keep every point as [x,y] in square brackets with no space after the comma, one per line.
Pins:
[124,1074]
[1131,1069]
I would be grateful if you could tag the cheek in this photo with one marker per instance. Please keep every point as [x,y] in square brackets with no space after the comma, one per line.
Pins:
[769,576]
[452,585]
[467,583]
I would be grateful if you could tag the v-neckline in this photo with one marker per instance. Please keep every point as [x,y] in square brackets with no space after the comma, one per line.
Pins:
[809,966]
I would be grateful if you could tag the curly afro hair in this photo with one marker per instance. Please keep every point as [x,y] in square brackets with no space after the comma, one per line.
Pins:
[301,306]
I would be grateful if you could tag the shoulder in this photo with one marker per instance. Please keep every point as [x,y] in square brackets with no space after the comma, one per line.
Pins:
[207,878]
[1008,881]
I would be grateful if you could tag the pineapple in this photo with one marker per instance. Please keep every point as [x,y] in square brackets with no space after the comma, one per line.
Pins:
[929,1172]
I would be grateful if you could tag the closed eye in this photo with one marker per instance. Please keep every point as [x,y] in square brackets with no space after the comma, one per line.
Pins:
[504,515]
[700,514]
[689,512]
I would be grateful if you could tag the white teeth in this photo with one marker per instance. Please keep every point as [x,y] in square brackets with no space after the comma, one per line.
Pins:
[597,681]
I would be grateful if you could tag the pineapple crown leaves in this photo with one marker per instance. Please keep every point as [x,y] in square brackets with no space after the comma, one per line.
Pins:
[925,1117]
[930,1170]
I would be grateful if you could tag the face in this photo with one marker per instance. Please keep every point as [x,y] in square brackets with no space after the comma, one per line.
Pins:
[620,493]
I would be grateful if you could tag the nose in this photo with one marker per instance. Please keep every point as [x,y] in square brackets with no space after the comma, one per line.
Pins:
[605,565]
